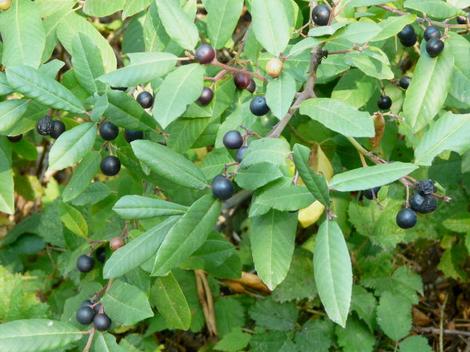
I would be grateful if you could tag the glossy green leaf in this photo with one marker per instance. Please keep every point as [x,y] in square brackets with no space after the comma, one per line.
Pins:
[279,95]
[33,84]
[101,8]
[36,335]
[179,89]
[72,146]
[272,238]
[393,25]
[171,165]
[131,7]
[359,32]
[460,86]
[73,220]
[82,176]
[222,18]
[333,271]
[373,63]
[188,234]
[138,207]
[270,150]
[270,25]
[171,302]
[11,112]
[137,251]
[105,342]
[355,88]
[339,117]
[370,177]
[433,8]
[257,175]
[7,195]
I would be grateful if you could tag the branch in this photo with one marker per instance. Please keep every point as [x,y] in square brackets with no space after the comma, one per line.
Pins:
[307,93]
[232,69]
[90,341]
[436,331]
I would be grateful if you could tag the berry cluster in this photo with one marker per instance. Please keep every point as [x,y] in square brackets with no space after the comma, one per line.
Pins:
[432,35]
[89,312]
[49,127]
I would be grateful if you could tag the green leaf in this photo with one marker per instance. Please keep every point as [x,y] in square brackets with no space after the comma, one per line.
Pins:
[138,251]
[339,117]
[23,35]
[185,132]
[72,146]
[372,61]
[36,85]
[188,234]
[460,86]
[272,239]
[93,194]
[433,8]
[105,342]
[102,8]
[234,341]
[428,89]
[270,25]
[143,68]
[450,132]
[73,220]
[126,303]
[87,62]
[11,112]
[179,89]
[279,94]
[364,304]
[333,271]
[169,164]
[222,18]
[415,343]
[320,31]
[214,162]
[392,26]
[7,195]
[82,176]
[359,32]
[272,150]
[138,207]
[370,177]
[316,335]
[394,316]
[274,316]
[171,302]
[315,183]
[355,337]
[4,87]
[177,24]
[355,88]
[257,175]
[35,335]
[133,7]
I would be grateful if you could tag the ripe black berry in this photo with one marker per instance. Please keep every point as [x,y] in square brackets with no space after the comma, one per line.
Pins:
[371,193]
[425,187]
[145,99]
[258,106]
[108,131]
[321,15]
[15,139]
[205,54]
[85,263]
[44,126]
[233,140]
[110,166]
[462,20]
[57,128]
[85,315]
[252,86]
[101,322]
[434,47]
[240,154]
[406,218]
[407,36]
[384,102]
[242,80]
[432,32]
[404,82]
[100,254]
[222,188]
[132,135]
[423,204]
[206,96]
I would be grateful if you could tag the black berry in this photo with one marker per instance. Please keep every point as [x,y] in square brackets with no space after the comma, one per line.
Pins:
[425,187]
[321,15]
[101,322]
[145,99]
[423,204]
[404,82]
[15,139]
[222,188]
[100,254]
[240,154]
[108,131]
[242,80]
[432,32]
[206,96]
[384,102]
[85,263]
[205,54]
[434,47]
[85,315]
[44,126]
[371,193]
[406,218]
[110,165]
[252,86]
[258,106]
[132,135]
[233,140]
[57,128]
[407,36]
[462,20]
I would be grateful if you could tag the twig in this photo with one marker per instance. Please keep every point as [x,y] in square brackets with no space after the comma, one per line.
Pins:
[90,341]
[206,300]
[436,331]
[236,69]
